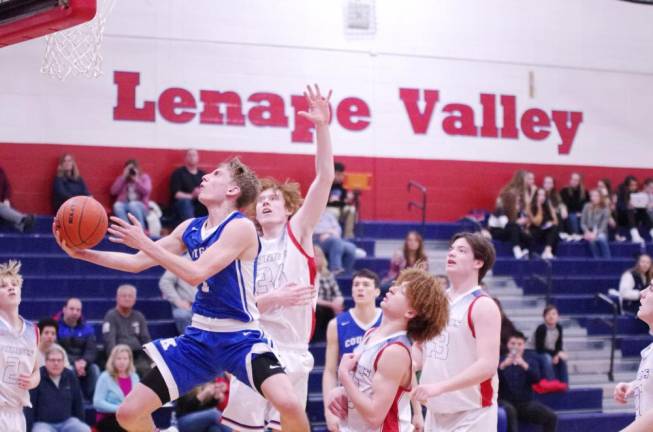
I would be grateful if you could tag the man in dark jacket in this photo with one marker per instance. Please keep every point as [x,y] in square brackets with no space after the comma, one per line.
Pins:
[78,339]
[57,401]
[517,374]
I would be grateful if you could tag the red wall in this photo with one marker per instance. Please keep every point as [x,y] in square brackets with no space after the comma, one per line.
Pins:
[454,187]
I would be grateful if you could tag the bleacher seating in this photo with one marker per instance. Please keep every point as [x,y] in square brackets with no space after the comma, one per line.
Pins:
[51,277]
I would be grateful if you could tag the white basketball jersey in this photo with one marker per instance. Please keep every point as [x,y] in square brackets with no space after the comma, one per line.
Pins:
[643,384]
[453,351]
[398,418]
[283,261]
[18,352]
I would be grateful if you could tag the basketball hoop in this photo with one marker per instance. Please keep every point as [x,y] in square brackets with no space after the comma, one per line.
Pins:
[76,51]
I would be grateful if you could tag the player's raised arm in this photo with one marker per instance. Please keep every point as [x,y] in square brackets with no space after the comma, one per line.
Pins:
[318,193]
[238,241]
[132,263]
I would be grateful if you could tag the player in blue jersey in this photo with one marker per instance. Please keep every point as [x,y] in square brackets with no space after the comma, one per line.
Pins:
[346,331]
[224,334]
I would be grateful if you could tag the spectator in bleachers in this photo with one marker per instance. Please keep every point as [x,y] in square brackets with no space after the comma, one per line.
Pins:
[125,325]
[648,189]
[531,187]
[57,404]
[411,254]
[443,279]
[68,182]
[48,328]
[77,337]
[181,295]
[594,223]
[574,196]
[544,223]
[517,373]
[118,379]
[197,410]
[633,281]
[341,201]
[604,187]
[132,191]
[346,331]
[632,215]
[21,221]
[549,347]
[330,301]
[340,253]
[507,328]
[549,185]
[508,221]
[185,187]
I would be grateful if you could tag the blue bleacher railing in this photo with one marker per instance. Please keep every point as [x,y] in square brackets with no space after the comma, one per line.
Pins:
[422,205]
[615,313]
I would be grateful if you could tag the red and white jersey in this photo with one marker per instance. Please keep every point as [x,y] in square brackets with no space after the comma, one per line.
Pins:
[398,418]
[280,262]
[453,351]
[18,353]
[643,384]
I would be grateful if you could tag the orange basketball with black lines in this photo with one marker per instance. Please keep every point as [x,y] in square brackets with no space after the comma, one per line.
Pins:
[82,222]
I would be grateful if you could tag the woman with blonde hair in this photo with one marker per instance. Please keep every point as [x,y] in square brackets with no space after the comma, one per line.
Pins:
[410,255]
[68,182]
[114,384]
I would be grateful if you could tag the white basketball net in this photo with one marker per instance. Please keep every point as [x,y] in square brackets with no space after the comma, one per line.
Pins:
[76,50]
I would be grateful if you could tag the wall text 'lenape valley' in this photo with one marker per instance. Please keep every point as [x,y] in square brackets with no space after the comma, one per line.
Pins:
[422,106]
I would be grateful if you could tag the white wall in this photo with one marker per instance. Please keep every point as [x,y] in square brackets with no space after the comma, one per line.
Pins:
[589,56]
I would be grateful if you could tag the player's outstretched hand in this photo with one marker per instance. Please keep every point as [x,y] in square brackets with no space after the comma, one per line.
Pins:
[297,295]
[318,106]
[622,391]
[70,250]
[337,402]
[129,234]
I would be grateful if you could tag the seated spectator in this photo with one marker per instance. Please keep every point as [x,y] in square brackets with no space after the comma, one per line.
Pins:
[411,254]
[132,192]
[117,380]
[330,301]
[508,221]
[443,279]
[197,410]
[125,325]
[549,185]
[507,328]
[21,221]
[341,202]
[57,404]
[633,281]
[594,223]
[77,337]
[648,189]
[604,187]
[517,373]
[548,345]
[48,328]
[544,223]
[630,215]
[67,183]
[181,296]
[341,253]
[531,187]
[574,197]
[185,187]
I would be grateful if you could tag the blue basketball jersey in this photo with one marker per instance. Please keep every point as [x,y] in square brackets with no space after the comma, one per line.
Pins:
[228,294]
[351,331]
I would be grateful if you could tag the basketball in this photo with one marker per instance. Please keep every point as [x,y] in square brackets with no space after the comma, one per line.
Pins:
[82,222]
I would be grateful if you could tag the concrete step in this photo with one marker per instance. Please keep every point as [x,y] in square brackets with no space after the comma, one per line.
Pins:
[599,379]
[601,366]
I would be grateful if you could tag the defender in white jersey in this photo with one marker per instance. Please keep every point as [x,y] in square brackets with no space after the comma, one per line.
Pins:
[286,293]
[459,382]
[19,339]
[641,388]
[376,378]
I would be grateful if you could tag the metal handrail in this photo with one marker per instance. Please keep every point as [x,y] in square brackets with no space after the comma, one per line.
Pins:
[412,203]
[613,341]
[547,278]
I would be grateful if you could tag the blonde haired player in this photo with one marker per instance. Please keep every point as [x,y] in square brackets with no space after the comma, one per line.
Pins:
[286,294]
[376,378]
[19,340]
